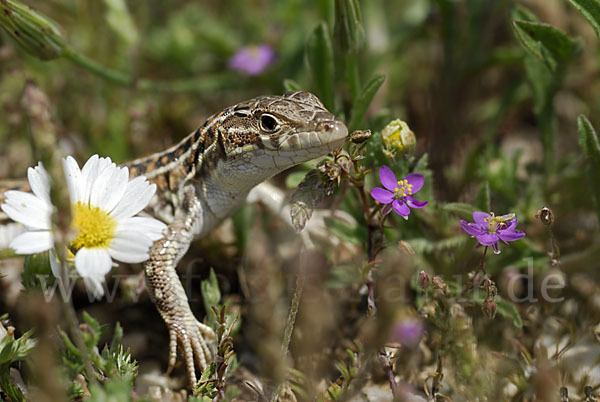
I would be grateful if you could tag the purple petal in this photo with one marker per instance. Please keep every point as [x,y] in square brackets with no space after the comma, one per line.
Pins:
[400,208]
[510,234]
[416,180]
[415,203]
[472,228]
[495,248]
[387,177]
[511,225]
[382,195]
[487,239]
[479,217]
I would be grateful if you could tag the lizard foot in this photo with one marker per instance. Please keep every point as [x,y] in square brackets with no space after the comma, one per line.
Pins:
[191,336]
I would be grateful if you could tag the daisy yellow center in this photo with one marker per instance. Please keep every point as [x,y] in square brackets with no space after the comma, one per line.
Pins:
[95,227]
[403,189]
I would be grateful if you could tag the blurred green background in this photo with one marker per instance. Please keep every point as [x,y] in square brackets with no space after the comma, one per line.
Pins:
[494,105]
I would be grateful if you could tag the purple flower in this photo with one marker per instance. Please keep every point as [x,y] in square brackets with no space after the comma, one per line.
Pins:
[408,332]
[252,60]
[489,229]
[398,194]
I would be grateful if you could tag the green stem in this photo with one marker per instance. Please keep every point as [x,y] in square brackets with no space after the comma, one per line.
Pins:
[83,61]
[482,262]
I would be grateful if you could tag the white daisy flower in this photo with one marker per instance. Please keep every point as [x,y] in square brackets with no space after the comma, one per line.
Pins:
[104,203]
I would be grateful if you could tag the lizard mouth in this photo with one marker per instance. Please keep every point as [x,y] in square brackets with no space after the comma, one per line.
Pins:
[314,141]
[301,145]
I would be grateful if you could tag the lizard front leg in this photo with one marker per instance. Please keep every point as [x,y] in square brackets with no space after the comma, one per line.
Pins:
[169,295]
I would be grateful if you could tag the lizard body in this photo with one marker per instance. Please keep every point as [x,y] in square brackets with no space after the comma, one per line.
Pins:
[205,177]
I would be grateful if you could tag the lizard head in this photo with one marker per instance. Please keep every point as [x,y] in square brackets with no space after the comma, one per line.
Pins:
[277,132]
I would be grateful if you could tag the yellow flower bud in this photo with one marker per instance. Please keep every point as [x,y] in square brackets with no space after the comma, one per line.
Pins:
[34,32]
[397,136]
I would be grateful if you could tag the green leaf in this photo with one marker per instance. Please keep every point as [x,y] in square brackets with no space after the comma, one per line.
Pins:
[243,220]
[95,332]
[588,139]
[523,14]
[290,85]
[295,178]
[461,209]
[425,246]
[12,350]
[349,32]
[36,272]
[320,58]
[483,199]
[359,109]
[120,21]
[211,296]
[590,146]
[551,45]
[352,234]
[508,310]
[590,9]
[7,386]
[111,391]
[504,307]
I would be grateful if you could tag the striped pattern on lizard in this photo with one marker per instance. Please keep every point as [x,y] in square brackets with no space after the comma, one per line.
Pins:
[206,177]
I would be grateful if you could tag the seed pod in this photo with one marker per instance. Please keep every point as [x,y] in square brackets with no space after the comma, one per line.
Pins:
[34,32]
[423,280]
[359,136]
[489,308]
[438,282]
[546,216]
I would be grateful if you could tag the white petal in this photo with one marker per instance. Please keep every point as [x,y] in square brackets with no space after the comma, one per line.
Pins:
[92,262]
[55,264]
[74,179]
[8,232]
[94,283]
[130,247]
[39,181]
[137,196]
[150,227]
[32,242]
[87,172]
[27,209]
[109,187]
[90,173]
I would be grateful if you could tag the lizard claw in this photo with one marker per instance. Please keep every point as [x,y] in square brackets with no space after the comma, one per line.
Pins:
[191,336]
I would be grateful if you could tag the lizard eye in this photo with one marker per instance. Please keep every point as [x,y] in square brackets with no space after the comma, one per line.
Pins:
[268,123]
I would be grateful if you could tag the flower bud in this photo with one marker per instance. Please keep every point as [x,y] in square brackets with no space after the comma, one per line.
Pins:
[423,280]
[300,214]
[397,136]
[489,308]
[34,32]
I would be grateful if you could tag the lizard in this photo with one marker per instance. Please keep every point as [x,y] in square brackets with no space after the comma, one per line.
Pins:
[205,177]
